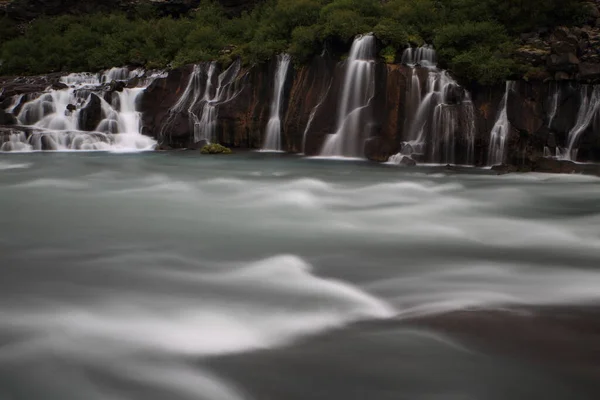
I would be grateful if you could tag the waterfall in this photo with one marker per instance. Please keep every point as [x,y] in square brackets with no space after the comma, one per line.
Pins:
[424,56]
[201,100]
[555,101]
[468,119]
[500,131]
[273,135]
[588,109]
[52,121]
[357,92]
[440,120]
[15,102]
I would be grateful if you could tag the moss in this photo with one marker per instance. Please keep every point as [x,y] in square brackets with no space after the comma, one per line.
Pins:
[389,54]
[215,148]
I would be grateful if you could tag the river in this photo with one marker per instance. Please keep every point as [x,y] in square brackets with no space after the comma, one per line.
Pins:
[266,276]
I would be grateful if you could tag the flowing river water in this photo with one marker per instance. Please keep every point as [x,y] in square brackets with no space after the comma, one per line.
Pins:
[264,276]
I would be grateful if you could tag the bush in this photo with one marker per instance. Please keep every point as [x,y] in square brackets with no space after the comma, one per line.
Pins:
[473,37]
[215,148]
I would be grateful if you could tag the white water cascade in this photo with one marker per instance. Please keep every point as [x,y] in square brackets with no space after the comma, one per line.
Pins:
[357,92]
[273,135]
[201,99]
[441,118]
[500,131]
[589,109]
[423,56]
[57,119]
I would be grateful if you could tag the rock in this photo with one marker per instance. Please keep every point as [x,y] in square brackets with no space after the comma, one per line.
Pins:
[59,86]
[562,76]
[529,35]
[503,169]
[7,118]
[199,145]
[48,143]
[407,162]
[163,147]
[555,166]
[91,113]
[377,149]
[407,149]
[454,95]
[589,71]
[116,86]
[561,33]
[593,11]
[535,55]
[561,47]
[71,107]
[563,62]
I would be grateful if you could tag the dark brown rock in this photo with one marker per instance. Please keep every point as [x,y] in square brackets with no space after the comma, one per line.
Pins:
[561,47]
[6,118]
[378,149]
[563,62]
[91,114]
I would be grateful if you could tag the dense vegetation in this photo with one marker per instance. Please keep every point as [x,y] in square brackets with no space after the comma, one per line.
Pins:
[473,37]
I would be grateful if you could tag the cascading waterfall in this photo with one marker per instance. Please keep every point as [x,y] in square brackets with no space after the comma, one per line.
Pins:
[500,131]
[52,121]
[201,99]
[273,135]
[357,92]
[589,108]
[439,119]
[424,56]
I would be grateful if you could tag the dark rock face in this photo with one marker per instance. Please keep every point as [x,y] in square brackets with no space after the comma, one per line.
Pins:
[158,99]
[91,114]
[310,107]
[7,119]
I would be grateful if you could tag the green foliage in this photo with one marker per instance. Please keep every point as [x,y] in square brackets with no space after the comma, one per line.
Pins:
[215,148]
[474,38]
[388,54]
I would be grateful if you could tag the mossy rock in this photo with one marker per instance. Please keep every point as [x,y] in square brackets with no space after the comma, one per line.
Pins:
[215,148]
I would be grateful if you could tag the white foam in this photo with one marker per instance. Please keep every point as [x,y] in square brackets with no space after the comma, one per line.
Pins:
[288,302]
[8,166]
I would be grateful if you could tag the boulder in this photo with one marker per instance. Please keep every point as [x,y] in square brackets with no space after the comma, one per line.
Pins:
[91,113]
[7,118]
[407,162]
[378,149]
[59,86]
[563,62]
[562,47]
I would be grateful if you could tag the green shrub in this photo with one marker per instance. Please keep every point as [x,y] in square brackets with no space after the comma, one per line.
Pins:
[215,148]
[473,37]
